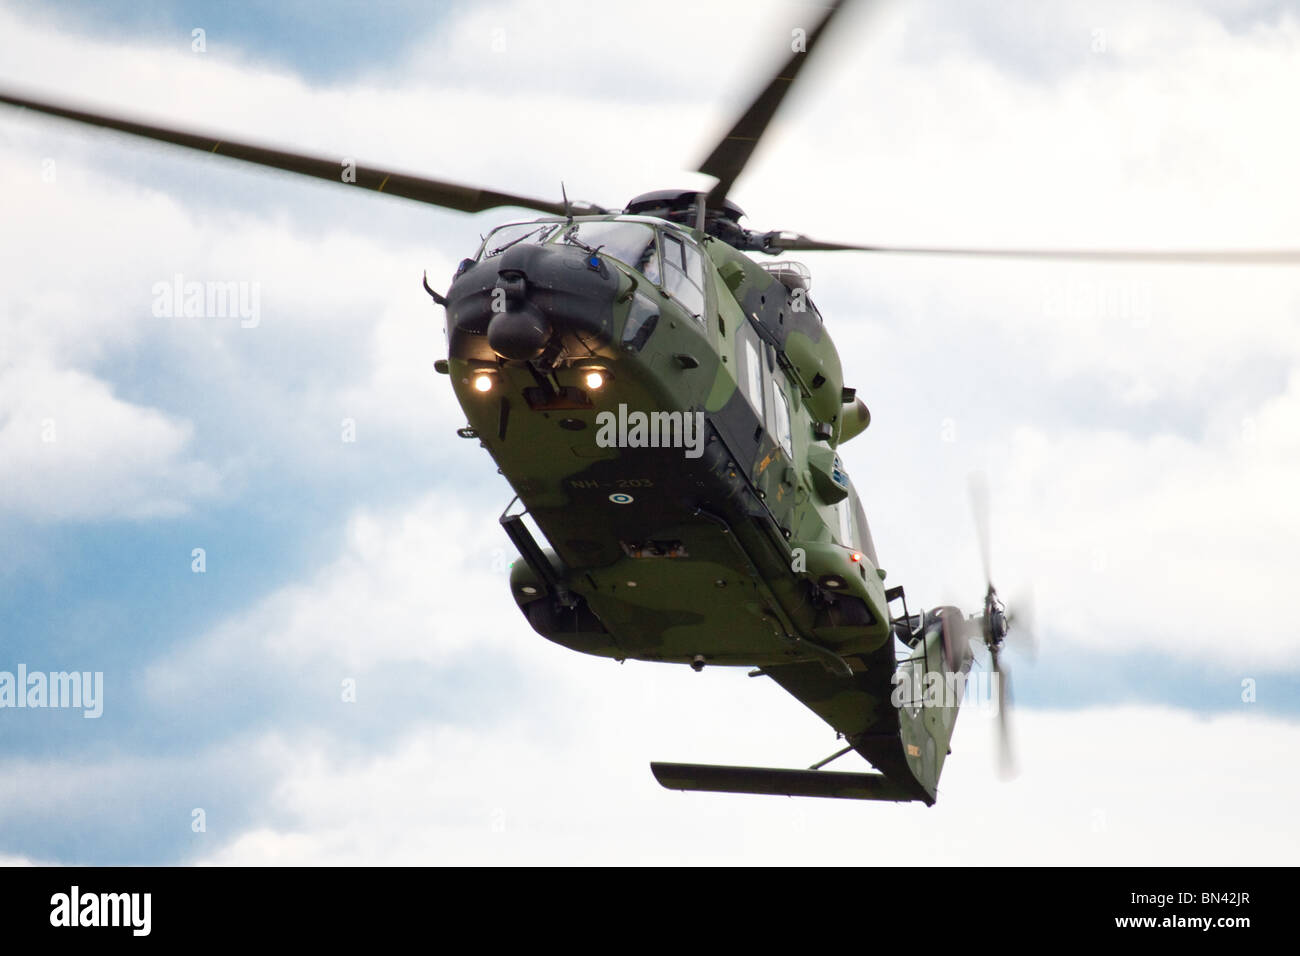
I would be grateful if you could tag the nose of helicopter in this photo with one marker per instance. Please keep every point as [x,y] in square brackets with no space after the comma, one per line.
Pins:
[528,298]
[520,331]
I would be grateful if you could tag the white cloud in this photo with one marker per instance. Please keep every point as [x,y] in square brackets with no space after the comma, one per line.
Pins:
[561,773]
[1098,787]
[8,860]
[1184,542]
[413,586]
[1143,414]
[70,449]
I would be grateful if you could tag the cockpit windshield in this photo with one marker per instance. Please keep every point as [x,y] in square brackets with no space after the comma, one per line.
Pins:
[501,239]
[629,242]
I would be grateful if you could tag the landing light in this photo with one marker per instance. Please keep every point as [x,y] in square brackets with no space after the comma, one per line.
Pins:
[595,380]
[483,383]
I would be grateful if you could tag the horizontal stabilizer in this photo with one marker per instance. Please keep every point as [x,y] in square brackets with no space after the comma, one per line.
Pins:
[788,783]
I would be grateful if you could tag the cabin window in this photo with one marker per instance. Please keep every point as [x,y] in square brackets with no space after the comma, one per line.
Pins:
[684,274]
[754,377]
[781,409]
[750,372]
[846,522]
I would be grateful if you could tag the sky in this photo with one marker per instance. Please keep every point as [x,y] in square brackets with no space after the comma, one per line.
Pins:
[1139,427]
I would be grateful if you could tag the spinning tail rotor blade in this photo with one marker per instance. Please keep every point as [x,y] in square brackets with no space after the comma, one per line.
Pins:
[1006,756]
[979,500]
[995,623]
[1020,621]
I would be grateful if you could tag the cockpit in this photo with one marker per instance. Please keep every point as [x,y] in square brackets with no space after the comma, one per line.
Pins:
[664,254]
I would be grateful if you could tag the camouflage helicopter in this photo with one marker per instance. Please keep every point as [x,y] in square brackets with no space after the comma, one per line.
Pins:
[669,411]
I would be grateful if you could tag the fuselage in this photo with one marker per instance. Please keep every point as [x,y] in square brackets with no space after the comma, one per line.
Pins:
[668,413]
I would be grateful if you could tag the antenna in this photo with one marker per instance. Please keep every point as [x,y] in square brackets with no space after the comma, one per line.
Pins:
[568,213]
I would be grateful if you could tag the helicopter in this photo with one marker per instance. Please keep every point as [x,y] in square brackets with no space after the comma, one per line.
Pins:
[669,411]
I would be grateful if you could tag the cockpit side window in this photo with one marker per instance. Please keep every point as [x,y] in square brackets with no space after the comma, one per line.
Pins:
[684,274]
[694,265]
[649,265]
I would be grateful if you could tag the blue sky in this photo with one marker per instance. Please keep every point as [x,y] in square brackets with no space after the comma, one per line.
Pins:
[1139,427]
[342,43]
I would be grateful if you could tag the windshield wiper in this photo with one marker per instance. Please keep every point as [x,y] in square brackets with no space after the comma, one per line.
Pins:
[501,249]
[571,237]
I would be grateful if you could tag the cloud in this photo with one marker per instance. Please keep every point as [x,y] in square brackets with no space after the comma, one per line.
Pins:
[554,767]
[70,449]
[1139,425]
[1185,543]
[1098,787]
[8,860]
[410,586]
[122,808]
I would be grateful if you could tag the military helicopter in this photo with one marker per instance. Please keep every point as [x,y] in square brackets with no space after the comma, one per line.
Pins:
[668,410]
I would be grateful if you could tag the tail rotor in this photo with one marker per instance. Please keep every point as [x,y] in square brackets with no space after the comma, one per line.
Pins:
[995,623]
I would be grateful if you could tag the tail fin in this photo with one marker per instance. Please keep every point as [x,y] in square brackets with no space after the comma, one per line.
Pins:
[928,690]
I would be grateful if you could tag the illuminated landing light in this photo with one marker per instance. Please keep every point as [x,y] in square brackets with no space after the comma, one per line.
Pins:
[595,380]
[483,383]
[528,589]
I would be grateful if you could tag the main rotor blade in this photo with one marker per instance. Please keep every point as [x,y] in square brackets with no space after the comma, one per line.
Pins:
[729,157]
[783,242]
[421,189]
